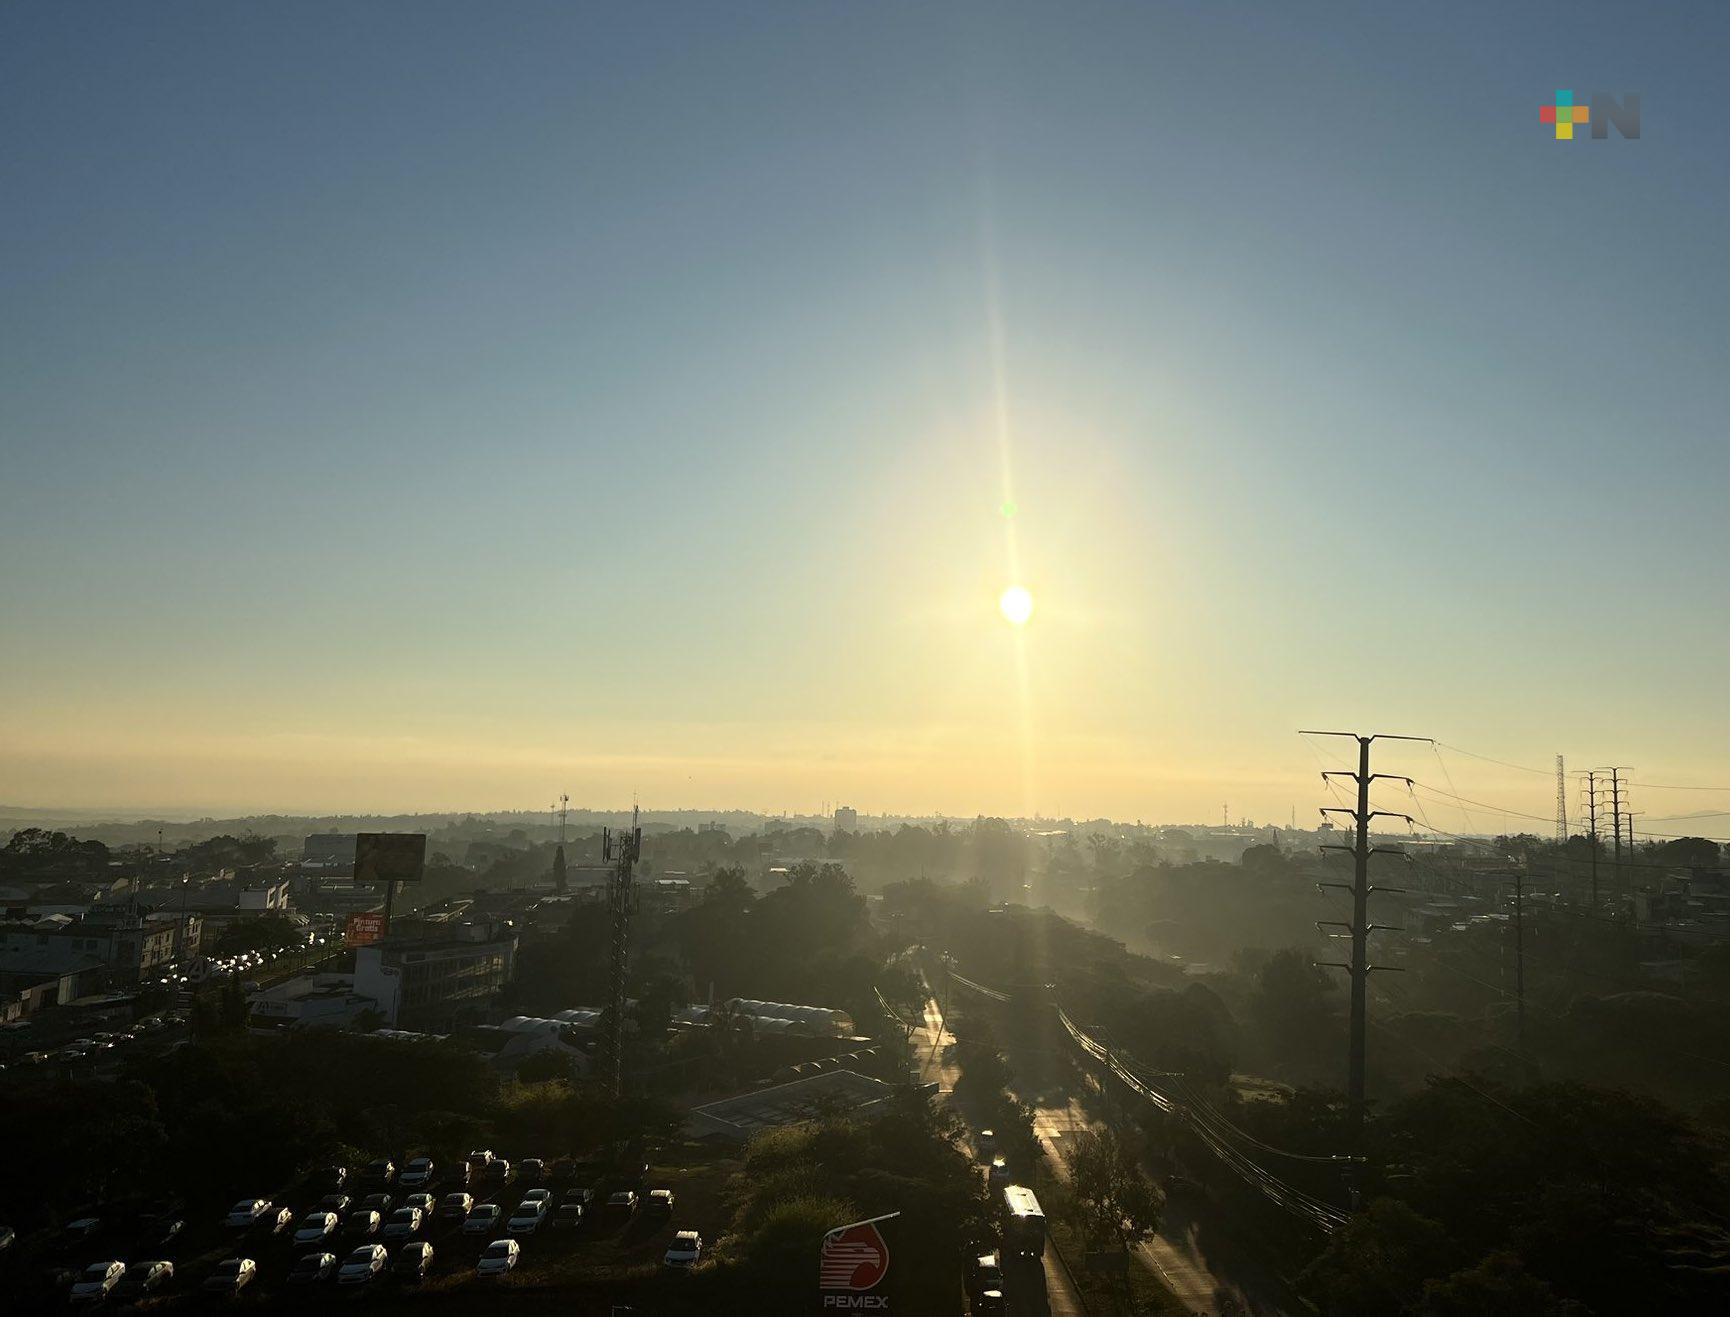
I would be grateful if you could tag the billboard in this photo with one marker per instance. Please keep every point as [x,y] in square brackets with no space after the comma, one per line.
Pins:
[853,1266]
[389,857]
[363,929]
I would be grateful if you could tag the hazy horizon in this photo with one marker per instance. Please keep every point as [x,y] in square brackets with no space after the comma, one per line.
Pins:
[412,404]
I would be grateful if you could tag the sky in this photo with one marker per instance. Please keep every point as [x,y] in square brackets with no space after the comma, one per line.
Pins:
[431,406]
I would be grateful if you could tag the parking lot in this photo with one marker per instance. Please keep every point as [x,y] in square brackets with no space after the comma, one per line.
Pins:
[607,1255]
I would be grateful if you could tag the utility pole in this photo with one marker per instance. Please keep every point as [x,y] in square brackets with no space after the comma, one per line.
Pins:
[1592,842]
[1561,803]
[1616,819]
[1360,927]
[622,852]
[1520,962]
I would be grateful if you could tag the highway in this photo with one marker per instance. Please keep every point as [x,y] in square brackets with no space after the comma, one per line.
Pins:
[1047,1293]
[1198,1278]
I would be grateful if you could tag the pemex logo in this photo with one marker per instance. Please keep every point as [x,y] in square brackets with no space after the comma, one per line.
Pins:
[854,1258]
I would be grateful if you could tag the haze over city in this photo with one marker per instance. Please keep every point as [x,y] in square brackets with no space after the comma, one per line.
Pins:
[414,408]
[926,658]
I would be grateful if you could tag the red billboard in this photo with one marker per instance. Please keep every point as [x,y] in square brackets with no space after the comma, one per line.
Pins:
[363,929]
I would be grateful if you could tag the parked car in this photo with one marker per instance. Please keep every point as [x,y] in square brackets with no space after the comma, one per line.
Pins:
[527,1218]
[413,1261]
[482,1219]
[404,1223]
[276,1220]
[531,1169]
[426,1203]
[379,1203]
[231,1276]
[334,1203]
[659,1202]
[683,1252]
[314,1226]
[538,1196]
[143,1278]
[362,1265]
[247,1213]
[77,1232]
[500,1258]
[312,1269]
[584,1197]
[96,1280]
[497,1172]
[380,1172]
[418,1172]
[622,1205]
[990,1303]
[987,1144]
[456,1207]
[333,1177]
[160,1229]
[479,1158]
[568,1216]
[998,1175]
[361,1224]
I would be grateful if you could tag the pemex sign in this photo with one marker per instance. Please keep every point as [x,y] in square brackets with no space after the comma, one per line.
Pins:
[853,1266]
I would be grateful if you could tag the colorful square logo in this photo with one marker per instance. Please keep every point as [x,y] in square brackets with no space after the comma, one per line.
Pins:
[1564,114]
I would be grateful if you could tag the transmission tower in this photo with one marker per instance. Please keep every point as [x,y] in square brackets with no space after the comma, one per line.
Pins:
[1593,844]
[1360,928]
[621,852]
[1561,803]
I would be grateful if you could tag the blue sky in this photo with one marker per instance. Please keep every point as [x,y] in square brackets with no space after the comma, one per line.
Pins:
[452,404]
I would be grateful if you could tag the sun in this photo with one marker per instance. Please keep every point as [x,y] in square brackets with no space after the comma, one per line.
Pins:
[1016,605]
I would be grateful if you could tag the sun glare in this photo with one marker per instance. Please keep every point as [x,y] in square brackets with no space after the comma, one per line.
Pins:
[1016,605]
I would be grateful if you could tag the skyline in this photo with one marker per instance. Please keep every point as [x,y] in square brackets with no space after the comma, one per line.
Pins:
[405,407]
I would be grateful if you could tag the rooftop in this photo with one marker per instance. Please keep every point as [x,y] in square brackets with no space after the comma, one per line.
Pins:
[838,1091]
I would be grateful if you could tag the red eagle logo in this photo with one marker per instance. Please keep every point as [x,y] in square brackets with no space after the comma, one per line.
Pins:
[853,1259]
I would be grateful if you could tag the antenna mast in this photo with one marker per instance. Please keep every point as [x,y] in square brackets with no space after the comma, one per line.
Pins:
[622,851]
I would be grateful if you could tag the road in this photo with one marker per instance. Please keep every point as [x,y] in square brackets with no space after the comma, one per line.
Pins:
[1219,1279]
[1028,1297]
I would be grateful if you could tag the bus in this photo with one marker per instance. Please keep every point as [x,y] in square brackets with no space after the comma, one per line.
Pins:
[1023,1221]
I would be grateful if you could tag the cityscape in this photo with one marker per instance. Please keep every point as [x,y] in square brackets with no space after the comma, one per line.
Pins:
[963,657]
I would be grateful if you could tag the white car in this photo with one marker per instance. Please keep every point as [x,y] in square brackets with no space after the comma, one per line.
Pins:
[527,1218]
[96,1280]
[419,1171]
[425,1202]
[362,1265]
[683,1252]
[232,1275]
[314,1226]
[538,1196]
[500,1257]
[404,1223]
[247,1213]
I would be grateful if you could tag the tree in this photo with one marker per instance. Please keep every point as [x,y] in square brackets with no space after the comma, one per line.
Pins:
[1292,1007]
[1499,1286]
[1119,1203]
[1377,1262]
[559,871]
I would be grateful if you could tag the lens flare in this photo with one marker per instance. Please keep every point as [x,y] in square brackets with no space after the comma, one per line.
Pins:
[1016,605]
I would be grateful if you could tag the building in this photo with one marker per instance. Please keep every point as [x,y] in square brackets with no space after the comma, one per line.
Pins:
[436,981]
[846,819]
[310,1002]
[835,1092]
[127,946]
